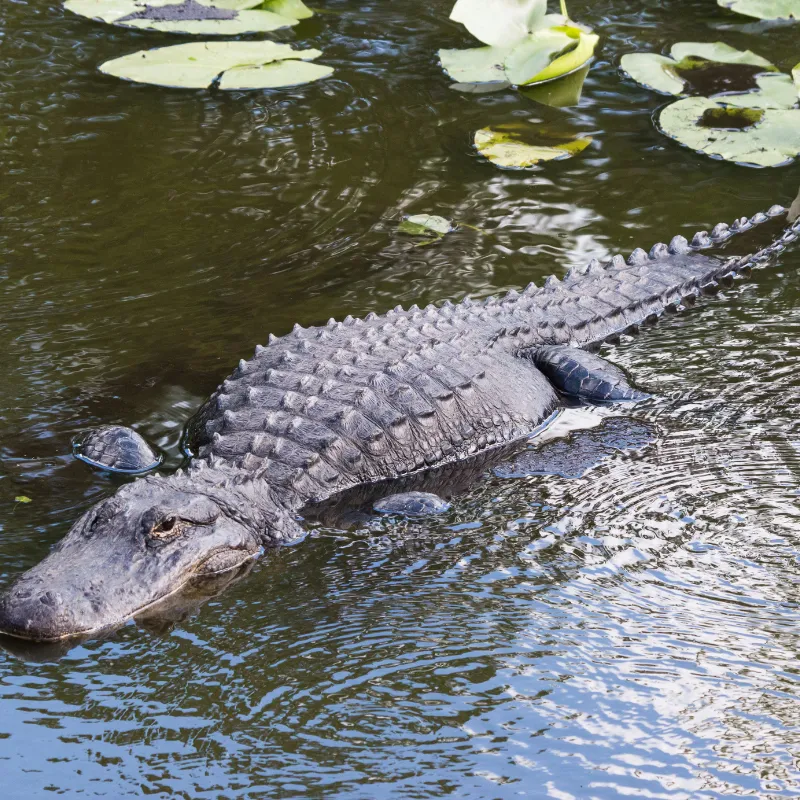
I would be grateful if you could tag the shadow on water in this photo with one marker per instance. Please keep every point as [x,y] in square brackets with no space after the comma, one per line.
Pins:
[613,611]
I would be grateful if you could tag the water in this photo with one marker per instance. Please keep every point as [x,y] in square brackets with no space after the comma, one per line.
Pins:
[625,624]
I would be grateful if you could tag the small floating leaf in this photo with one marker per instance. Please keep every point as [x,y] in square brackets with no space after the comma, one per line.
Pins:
[22,499]
[753,137]
[242,65]
[499,22]
[226,18]
[425,225]
[764,9]
[508,148]
[796,77]
[738,77]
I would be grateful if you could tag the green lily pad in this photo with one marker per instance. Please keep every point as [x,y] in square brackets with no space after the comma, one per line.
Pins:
[561,93]
[748,136]
[516,147]
[294,9]
[500,23]
[544,55]
[226,18]
[241,65]
[425,225]
[22,499]
[735,77]
[764,9]
[796,77]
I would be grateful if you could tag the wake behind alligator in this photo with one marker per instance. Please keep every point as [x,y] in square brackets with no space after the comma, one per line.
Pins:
[325,409]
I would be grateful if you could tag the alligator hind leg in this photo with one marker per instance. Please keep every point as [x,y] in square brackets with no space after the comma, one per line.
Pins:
[582,374]
[115,448]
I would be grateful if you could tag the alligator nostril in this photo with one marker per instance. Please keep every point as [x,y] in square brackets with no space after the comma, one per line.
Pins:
[51,599]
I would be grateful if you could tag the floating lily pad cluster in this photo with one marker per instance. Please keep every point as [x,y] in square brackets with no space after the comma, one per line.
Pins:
[227,65]
[735,104]
[765,9]
[526,45]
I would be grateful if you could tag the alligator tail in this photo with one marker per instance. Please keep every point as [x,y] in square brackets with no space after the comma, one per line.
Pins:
[599,302]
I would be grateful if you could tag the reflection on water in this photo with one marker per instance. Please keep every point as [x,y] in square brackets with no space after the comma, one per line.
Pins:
[614,612]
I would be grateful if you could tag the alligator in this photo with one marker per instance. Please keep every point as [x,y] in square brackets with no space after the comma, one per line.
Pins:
[324,409]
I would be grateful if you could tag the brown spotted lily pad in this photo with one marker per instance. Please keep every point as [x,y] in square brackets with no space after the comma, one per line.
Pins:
[522,147]
[219,18]
[754,137]
[735,77]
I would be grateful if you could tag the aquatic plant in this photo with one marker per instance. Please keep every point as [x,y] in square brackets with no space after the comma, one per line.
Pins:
[525,44]
[736,105]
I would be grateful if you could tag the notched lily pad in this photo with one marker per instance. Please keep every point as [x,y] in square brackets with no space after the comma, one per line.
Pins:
[736,77]
[233,65]
[425,225]
[542,56]
[752,137]
[521,147]
[223,18]
[764,9]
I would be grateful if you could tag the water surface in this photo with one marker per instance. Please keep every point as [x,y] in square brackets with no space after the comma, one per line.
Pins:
[616,616]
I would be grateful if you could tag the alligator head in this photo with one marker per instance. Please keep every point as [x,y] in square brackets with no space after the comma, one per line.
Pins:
[126,554]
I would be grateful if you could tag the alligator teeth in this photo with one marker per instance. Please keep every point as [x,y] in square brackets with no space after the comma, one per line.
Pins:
[638,256]
[618,262]
[720,232]
[678,244]
[701,239]
[757,219]
[659,250]
[776,211]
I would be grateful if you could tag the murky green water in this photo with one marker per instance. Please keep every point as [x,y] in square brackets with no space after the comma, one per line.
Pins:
[625,624]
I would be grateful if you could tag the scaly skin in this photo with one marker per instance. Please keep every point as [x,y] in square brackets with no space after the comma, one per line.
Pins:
[322,410]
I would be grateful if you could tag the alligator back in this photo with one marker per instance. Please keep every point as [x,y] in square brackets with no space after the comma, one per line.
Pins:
[326,408]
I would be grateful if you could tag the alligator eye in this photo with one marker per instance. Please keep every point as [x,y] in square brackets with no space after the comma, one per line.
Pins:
[169,526]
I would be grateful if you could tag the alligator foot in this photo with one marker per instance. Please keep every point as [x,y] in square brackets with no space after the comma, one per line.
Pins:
[412,504]
[115,448]
[582,374]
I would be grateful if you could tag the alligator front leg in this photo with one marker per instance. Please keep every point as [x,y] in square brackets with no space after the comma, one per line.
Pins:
[581,374]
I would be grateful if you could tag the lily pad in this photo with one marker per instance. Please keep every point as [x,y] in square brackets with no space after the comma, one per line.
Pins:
[736,77]
[558,94]
[425,225]
[22,499]
[753,137]
[764,9]
[236,65]
[294,9]
[226,18]
[500,23]
[515,147]
[542,56]
[796,77]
